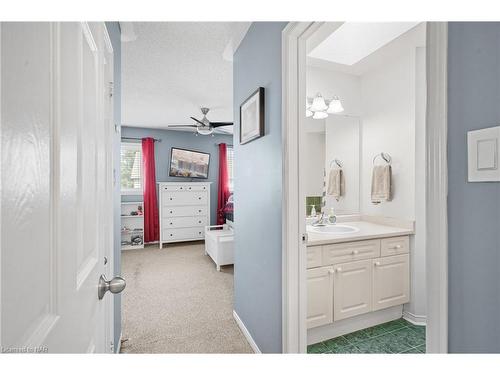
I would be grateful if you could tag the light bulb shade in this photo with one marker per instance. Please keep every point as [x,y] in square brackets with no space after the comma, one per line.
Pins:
[335,106]
[205,130]
[309,113]
[318,104]
[320,115]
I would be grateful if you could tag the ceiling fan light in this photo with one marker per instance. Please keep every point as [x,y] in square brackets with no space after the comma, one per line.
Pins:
[335,106]
[204,130]
[318,104]
[320,115]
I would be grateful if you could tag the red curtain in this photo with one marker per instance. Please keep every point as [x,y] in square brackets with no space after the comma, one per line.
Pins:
[223,189]
[151,224]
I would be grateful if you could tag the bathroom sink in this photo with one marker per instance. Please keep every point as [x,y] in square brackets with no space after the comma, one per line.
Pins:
[332,229]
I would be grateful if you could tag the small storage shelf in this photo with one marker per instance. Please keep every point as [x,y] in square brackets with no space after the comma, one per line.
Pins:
[132,226]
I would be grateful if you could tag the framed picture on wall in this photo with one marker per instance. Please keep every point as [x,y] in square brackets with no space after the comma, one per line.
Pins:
[252,117]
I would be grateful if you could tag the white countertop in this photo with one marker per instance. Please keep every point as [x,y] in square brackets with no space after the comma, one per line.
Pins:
[367,231]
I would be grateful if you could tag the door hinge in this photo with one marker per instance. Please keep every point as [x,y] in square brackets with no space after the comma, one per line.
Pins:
[112,346]
[111,87]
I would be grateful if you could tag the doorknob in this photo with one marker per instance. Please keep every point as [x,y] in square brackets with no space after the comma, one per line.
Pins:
[115,285]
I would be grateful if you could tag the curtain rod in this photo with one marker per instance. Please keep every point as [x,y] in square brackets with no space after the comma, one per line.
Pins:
[140,139]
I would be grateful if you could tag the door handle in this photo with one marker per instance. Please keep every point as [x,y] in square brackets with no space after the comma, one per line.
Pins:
[115,285]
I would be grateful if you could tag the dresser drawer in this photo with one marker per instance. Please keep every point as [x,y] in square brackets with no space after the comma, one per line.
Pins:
[394,246]
[183,222]
[349,251]
[183,234]
[314,256]
[175,211]
[183,188]
[184,198]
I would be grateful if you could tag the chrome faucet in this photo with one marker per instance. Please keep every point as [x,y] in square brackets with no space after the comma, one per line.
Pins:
[322,220]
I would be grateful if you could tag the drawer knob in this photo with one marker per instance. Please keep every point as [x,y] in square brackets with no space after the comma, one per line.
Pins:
[170,198]
[354,252]
[190,188]
[331,272]
[199,221]
[170,223]
[397,247]
[199,197]
[199,210]
[376,264]
[171,234]
[170,211]
[339,269]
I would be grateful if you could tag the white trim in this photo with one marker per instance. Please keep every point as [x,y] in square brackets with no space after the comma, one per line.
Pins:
[437,188]
[119,346]
[293,281]
[246,333]
[418,320]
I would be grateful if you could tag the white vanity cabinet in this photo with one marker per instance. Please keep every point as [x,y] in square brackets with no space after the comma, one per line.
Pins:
[352,289]
[184,211]
[353,278]
[320,296]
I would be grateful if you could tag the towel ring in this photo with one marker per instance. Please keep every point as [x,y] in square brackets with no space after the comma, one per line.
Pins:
[336,161]
[387,158]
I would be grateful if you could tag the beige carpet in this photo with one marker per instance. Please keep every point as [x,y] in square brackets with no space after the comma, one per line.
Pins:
[176,302]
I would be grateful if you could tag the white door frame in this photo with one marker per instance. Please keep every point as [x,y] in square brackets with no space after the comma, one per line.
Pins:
[294,307]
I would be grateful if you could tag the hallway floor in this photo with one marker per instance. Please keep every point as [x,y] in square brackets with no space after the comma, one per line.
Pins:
[398,336]
[176,302]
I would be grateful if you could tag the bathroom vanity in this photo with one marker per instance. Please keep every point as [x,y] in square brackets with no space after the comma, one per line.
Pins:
[356,278]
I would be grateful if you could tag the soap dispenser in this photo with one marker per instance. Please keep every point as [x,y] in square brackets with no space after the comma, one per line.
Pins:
[313,210]
[332,219]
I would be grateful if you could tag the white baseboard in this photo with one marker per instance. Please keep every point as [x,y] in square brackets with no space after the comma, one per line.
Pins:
[119,345]
[418,320]
[246,333]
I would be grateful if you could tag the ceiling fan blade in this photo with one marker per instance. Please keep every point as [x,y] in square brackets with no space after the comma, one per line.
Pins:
[182,126]
[216,124]
[198,121]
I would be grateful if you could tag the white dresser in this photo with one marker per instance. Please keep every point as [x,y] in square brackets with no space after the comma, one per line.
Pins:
[184,211]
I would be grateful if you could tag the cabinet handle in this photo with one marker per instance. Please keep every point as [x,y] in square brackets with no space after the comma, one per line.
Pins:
[376,264]
[397,247]
[354,252]
[339,269]
[331,272]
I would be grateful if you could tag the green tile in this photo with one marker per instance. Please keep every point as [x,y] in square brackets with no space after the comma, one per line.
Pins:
[392,344]
[335,343]
[421,349]
[375,345]
[375,331]
[316,348]
[408,336]
[412,351]
[357,337]
[419,329]
[393,325]
[348,349]
[406,323]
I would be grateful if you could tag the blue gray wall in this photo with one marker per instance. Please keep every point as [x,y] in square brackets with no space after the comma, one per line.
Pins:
[473,208]
[258,189]
[172,138]
[115,34]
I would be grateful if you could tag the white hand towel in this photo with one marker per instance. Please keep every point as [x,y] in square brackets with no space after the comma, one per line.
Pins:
[381,183]
[336,184]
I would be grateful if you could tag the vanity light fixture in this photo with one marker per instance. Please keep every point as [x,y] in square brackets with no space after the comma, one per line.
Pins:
[320,108]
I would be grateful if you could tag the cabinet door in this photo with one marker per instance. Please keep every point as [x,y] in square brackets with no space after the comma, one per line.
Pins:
[352,289]
[319,296]
[391,281]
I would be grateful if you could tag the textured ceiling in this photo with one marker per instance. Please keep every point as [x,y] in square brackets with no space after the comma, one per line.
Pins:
[172,69]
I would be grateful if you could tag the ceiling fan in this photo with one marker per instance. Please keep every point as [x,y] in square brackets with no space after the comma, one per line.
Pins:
[203,126]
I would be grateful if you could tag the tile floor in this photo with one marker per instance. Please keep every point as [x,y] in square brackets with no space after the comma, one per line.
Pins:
[398,336]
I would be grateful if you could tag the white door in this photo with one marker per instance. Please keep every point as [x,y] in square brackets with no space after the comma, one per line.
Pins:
[319,296]
[352,289]
[391,281]
[56,182]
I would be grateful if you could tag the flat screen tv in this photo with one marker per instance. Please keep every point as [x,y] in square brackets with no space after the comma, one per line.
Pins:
[188,163]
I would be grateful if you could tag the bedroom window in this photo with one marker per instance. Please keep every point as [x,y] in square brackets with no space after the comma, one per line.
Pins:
[229,158]
[131,168]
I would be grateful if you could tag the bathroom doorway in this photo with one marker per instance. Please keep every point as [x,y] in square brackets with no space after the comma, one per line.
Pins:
[358,281]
